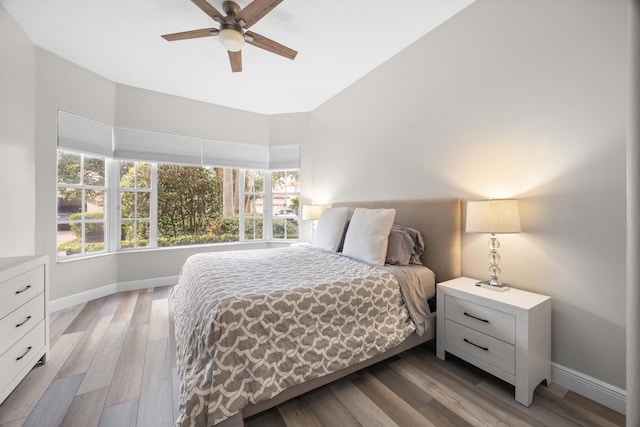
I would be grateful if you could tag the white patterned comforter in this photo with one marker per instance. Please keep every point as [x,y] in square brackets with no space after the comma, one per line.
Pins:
[249,324]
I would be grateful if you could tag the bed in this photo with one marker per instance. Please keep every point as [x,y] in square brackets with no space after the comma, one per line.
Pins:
[255,328]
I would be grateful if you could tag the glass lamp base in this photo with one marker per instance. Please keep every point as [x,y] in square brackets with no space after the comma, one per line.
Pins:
[493,285]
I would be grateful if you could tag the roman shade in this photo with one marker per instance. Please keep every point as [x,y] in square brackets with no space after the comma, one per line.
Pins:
[90,136]
[86,135]
[157,147]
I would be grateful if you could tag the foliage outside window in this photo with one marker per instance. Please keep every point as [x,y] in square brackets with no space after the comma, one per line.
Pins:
[253,205]
[135,204]
[82,195]
[286,204]
[191,205]
[163,205]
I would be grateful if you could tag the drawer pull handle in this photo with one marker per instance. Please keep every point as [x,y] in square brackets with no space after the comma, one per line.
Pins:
[24,354]
[25,321]
[477,318]
[479,346]
[23,290]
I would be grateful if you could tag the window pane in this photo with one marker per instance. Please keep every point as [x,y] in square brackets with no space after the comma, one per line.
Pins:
[94,236]
[69,235]
[94,208]
[285,228]
[250,205]
[69,202]
[143,175]
[127,174]
[254,181]
[143,205]
[94,171]
[293,182]
[127,204]
[286,204]
[285,182]
[68,167]
[127,235]
[278,181]
[253,229]
[142,234]
[196,205]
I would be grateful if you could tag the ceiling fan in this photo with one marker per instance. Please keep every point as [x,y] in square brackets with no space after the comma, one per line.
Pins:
[233,29]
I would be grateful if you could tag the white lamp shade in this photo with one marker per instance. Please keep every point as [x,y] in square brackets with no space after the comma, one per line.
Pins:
[231,39]
[312,212]
[493,216]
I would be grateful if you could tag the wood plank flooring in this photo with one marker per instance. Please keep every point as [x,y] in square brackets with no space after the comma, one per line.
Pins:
[113,365]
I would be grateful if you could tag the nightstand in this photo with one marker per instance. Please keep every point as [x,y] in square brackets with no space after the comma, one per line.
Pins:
[507,334]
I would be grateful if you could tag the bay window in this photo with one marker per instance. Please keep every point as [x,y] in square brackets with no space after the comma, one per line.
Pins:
[121,189]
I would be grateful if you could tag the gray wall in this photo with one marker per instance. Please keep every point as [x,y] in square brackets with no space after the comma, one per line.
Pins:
[522,99]
[509,98]
[17,104]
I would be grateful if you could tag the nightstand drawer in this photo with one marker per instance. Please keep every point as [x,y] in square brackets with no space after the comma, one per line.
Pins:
[15,325]
[488,349]
[20,289]
[20,355]
[483,319]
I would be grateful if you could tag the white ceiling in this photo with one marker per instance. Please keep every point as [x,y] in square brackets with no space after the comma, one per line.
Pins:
[338,43]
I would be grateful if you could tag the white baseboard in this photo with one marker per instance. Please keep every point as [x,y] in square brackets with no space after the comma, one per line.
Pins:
[599,391]
[134,285]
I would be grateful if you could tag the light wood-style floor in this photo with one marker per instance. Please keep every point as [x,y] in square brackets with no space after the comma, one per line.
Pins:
[113,364]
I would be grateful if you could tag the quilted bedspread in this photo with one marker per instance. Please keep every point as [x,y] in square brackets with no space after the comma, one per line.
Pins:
[249,324]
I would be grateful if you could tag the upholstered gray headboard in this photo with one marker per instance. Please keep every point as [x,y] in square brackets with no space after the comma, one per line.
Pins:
[439,222]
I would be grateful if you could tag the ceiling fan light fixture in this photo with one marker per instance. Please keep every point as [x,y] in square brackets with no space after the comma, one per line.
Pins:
[231,39]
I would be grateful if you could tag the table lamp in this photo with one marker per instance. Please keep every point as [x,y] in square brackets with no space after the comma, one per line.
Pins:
[494,216]
[312,212]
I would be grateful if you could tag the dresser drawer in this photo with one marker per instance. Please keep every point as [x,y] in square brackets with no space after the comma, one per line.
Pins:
[20,321]
[488,349]
[21,354]
[20,289]
[483,319]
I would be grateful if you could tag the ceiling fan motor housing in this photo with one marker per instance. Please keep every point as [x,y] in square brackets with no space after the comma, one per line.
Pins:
[230,7]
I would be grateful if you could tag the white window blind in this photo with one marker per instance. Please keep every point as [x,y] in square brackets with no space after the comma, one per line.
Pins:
[229,154]
[89,136]
[80,134]
[157,147]
[284,157]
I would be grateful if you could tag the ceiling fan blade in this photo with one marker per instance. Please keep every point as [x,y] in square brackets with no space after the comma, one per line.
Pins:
[267,44]
[206,7]
[193,34]
[235,58]
[254,11]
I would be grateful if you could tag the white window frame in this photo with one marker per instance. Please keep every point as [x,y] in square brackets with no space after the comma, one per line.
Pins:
[153,206]
[83,189]
[112,211]
[272,196]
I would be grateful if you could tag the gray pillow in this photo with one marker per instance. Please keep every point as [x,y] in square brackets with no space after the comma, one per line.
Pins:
[405,246]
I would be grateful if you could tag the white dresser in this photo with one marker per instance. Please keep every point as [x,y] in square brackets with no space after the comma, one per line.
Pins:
[24,318]
[507,334]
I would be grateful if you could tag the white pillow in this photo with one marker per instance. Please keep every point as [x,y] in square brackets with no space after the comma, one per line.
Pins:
[330,228]
[368,235]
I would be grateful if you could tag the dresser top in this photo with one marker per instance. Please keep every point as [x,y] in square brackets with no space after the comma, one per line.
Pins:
[12,266]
